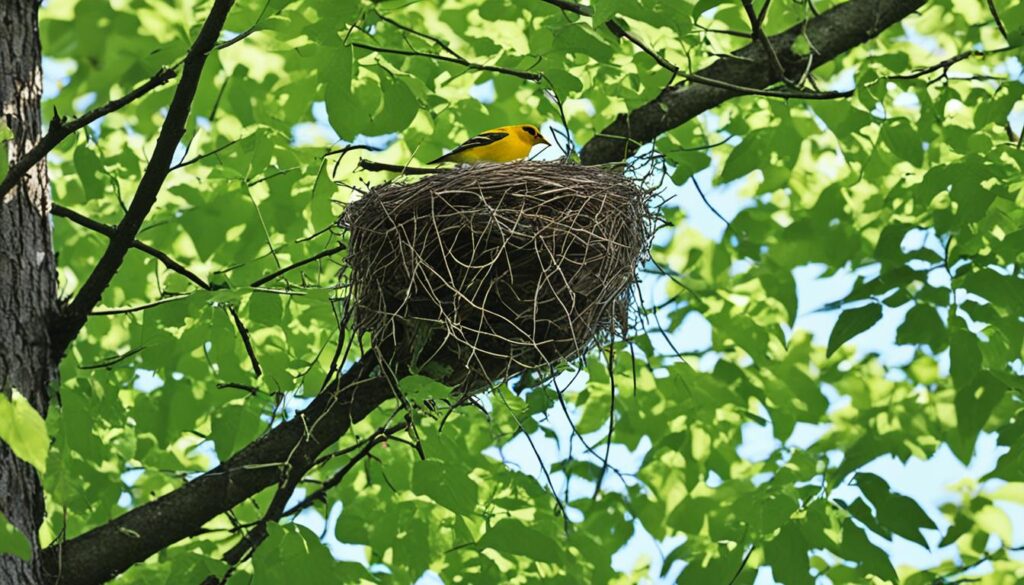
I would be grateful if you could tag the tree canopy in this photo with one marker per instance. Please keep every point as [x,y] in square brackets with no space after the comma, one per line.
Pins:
[209,423]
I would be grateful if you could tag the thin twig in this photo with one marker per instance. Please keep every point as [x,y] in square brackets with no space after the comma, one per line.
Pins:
[254,537]
[111,361]
[293,266]
[999,21]
[245,34]
[469,64]
[246,341]
[379,436]
[696,185]
[252,390]
[611,420]
[276,173]
[200,157]
[137,308]
[947,63]
[343,152]
[370,165]
[722,31]
[758,33]
[441,43]
[800,95]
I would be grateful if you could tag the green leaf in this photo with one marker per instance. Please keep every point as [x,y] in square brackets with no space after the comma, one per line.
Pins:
[787,554]
[995,521]
[901,139]
[24,430]
[511,536]
[446,484]
[89,169]
[418,388]
[233,426]
[964,359]
[1014,20]
[688,164]
[563,83]
[5,135]
[922,325]
[895,511]
[12,541]
[974,406]
[871,558]
[398,110]
[851,323]
[888,247]
[293,553]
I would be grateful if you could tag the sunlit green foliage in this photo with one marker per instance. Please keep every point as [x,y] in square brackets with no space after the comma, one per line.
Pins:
[913,183]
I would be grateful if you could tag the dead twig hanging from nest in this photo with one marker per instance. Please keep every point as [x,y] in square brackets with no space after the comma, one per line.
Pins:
[490,270]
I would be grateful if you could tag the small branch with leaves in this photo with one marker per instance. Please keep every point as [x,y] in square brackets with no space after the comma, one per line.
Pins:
[528,76]
[61,128]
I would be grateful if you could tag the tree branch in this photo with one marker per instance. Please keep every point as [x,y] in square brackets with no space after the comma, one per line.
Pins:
[293,266]
[999,21]
[249,542]
[460,61]
[246,341]
[444,46]
[369,165]
[758,33]
[619,31]
[946,64]
[73,318]
[106,230]
[110,549]
[831,34]
[60,129]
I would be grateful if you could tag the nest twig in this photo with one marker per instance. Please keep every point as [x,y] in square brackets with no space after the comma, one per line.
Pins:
[497,268]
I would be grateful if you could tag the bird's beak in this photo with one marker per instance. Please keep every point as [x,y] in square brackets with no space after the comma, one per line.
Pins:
[542,140]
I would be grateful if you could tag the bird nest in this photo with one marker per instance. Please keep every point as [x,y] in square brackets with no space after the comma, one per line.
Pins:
[498,268]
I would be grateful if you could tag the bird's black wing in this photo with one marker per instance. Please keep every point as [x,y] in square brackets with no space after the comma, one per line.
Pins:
[478,140]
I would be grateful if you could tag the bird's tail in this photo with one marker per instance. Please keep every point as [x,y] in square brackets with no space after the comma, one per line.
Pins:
[440,159]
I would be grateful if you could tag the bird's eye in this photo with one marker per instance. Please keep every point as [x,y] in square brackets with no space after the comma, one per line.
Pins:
[530,130]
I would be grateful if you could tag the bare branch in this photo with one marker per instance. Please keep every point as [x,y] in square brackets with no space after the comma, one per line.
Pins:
[441,43]
[376,166]
[246,341]
[60,129]
[293,266]
[946,64]
[999,21]
[200,157]
[758,34]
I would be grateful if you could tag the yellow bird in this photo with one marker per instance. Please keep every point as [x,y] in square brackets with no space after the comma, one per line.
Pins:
[502,144]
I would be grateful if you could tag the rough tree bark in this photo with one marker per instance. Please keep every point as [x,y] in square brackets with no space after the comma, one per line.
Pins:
[27,276]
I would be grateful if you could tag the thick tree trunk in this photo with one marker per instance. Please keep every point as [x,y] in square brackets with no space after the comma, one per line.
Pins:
[27,276]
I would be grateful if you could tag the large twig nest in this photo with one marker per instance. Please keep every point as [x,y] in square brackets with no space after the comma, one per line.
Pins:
[499,267]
